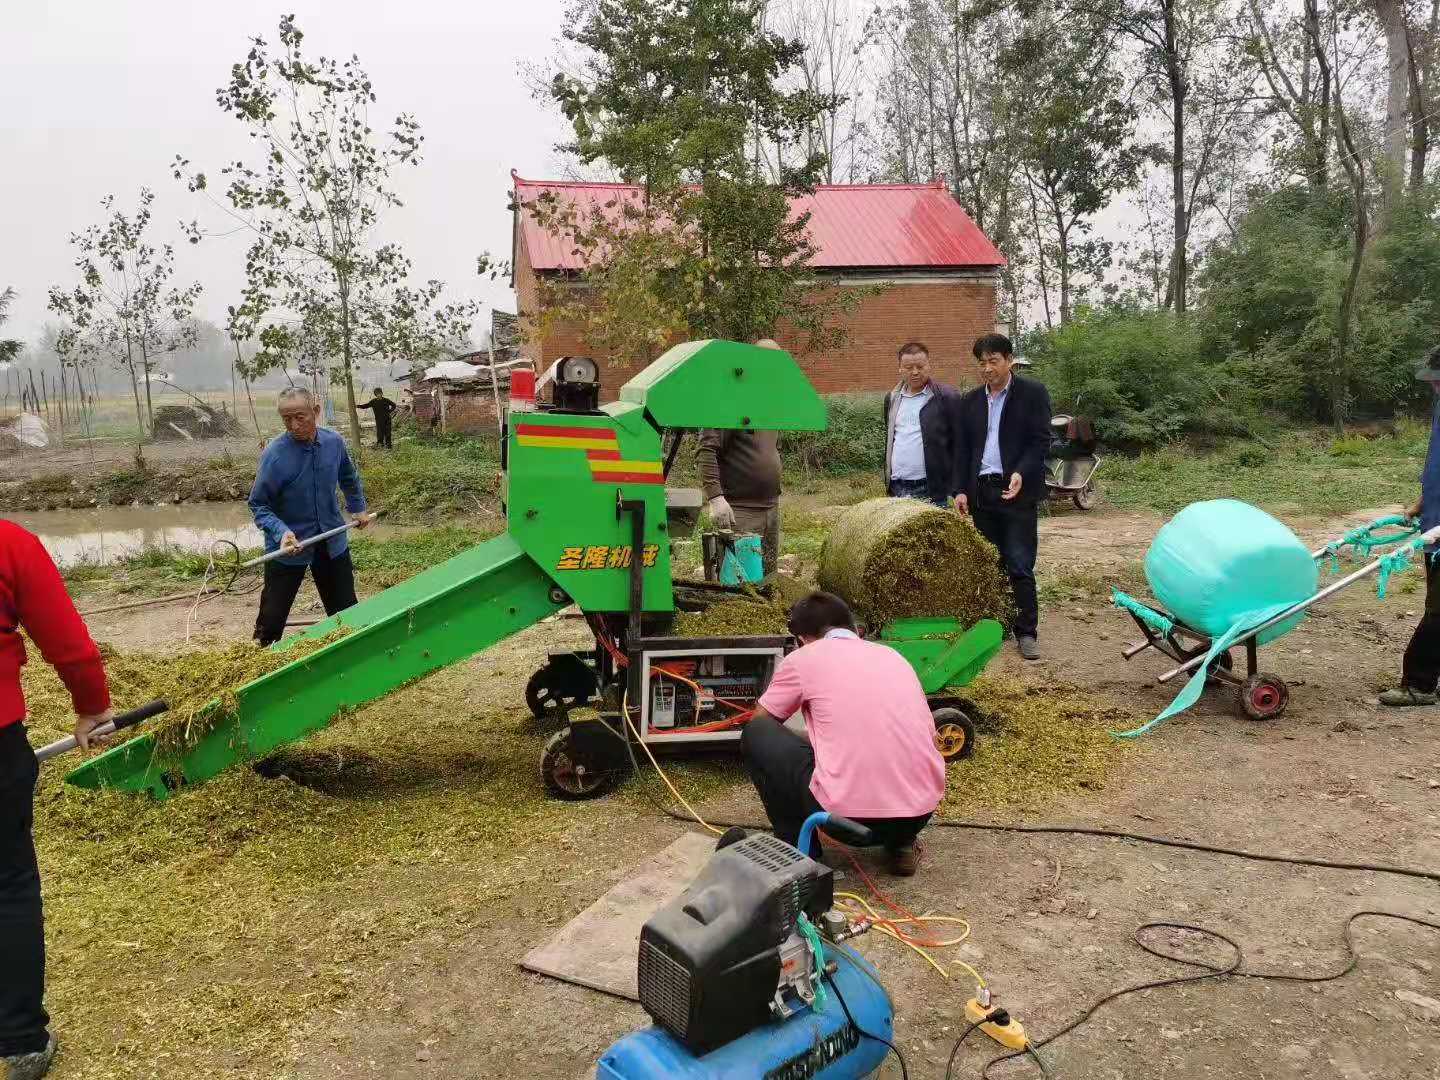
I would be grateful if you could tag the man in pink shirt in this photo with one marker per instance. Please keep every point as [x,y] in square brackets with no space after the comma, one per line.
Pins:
[871,755]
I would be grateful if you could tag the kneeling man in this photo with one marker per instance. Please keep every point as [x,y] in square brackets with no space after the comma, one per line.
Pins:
[871,755]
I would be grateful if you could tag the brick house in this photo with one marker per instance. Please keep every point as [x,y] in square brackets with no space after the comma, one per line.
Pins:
[939,271]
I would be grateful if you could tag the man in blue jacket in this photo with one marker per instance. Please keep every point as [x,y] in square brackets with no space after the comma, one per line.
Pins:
[1422,656]
[1003,434]
[294,499]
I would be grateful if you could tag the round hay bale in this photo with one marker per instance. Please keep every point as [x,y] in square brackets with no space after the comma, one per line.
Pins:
[902,558]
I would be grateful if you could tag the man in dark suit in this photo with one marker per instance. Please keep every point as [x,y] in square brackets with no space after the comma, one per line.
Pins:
[1002,438]
[920,431]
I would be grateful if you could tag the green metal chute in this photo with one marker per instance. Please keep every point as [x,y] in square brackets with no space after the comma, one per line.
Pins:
[441,616]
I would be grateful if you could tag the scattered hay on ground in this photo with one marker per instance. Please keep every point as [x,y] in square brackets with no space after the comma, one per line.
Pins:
[901,558]
[188,681]
[1036,742]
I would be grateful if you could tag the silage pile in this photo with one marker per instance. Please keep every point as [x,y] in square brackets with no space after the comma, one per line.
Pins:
[189,681]
[901,558]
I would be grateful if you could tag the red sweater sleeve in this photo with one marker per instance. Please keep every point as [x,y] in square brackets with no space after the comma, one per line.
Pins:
[48,616]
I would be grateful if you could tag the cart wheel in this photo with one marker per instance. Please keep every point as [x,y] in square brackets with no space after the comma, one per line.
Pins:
[568,778]
[1264,696]
[554,689]
[1225,662]
[954,733]
[1085,498]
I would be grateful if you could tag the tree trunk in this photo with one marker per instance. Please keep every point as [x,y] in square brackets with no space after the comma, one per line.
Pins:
[346,353]
[135,388]
[1339,376]
[149,408]
[1040,257]
[1179,270]
[1419,82]
[1391,14]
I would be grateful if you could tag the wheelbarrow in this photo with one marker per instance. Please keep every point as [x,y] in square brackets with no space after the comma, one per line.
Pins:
[1263,695]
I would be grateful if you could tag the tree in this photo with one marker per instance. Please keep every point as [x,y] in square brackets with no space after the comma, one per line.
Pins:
[670,94]
[1077,146]
[9,347]
[1299,82]
[123,311]
[318,281]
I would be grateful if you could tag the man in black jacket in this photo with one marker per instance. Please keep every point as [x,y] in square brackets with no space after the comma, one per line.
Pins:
[1003,434]
[920,431]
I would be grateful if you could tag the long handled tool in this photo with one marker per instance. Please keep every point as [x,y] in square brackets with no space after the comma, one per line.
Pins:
[310,542]
[120,723]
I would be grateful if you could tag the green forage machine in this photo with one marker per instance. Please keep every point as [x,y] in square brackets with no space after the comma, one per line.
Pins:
[589,523]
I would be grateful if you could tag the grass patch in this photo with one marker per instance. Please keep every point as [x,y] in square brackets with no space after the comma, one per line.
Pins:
[1305,472]
[1073,584]
[424,481]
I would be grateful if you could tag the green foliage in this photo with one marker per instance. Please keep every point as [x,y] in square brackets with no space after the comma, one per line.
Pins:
[669,95]
[9,347]
[853,440]
[430,480]
[1272,296]
[1139,375]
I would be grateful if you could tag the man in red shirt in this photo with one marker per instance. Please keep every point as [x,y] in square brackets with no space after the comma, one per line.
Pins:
[33,599]
[871,755]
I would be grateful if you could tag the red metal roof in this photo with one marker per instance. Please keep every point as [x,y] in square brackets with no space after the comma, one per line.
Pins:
[853,226]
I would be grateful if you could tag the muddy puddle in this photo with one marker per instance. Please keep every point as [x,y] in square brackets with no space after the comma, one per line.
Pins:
[107,534]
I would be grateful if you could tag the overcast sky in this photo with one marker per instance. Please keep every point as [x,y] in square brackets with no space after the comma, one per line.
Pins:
[97,97]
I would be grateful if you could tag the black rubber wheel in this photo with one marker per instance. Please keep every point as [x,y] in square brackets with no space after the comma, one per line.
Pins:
[1225,662]
[1264,696]
[1084,499]
[570,779]
[551,692]
[954,733]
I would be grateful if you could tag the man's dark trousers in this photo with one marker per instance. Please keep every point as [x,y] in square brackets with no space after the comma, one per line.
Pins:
[1013,527]
[382,430]
[334,581]
[1422,656]
[913,489]
[781,764]
[22,929]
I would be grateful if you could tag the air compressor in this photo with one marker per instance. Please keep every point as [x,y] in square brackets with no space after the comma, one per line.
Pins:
[745,974]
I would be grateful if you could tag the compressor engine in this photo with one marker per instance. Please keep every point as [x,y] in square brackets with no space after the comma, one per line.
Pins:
[740,982]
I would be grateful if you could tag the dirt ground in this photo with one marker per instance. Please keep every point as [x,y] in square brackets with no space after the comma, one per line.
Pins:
[1052,916]
[110,455]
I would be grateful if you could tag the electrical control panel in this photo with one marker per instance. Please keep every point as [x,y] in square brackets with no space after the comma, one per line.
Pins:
[704,690]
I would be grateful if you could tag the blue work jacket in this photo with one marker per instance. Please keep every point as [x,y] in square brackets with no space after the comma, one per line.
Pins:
[295,492]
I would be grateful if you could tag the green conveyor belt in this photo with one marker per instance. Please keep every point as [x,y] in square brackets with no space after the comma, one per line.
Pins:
[434,619]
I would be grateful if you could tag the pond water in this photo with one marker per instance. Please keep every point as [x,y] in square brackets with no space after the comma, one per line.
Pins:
[108,533]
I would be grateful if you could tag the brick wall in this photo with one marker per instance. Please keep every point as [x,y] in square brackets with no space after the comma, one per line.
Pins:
[467,412]
[947,314]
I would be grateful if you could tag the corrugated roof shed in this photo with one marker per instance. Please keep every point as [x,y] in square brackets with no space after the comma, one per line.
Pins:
[853,226]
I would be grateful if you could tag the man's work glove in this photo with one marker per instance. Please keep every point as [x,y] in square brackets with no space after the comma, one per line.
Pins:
[722,513]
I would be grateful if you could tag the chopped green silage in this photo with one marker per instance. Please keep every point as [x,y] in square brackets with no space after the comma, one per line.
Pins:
[901,558]
[1035,742]
[237,913]
[733,618]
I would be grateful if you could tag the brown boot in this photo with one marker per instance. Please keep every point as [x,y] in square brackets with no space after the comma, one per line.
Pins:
[904,861]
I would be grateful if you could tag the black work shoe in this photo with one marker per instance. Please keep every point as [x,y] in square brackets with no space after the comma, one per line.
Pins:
[1029,647]
[1404,696]
[904,861]
[30,1066]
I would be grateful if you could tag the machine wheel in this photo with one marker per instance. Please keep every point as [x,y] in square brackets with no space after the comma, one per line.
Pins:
[570,779]
[954,733]
[1224,662]
[1264,696]
[558,687]
[1084,499]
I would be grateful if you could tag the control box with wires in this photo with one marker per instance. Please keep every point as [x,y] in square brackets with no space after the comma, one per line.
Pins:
[702,690]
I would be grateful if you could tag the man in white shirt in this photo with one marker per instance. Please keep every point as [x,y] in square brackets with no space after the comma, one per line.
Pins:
[920,419]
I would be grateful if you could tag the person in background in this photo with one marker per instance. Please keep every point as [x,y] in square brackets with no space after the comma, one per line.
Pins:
[920,419]
[1420,668]
[871,753]
[294,499]
[32,599]
[1003,435]
[384,410]
[740,479]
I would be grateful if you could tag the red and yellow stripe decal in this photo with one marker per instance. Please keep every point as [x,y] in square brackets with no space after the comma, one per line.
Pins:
[602,452]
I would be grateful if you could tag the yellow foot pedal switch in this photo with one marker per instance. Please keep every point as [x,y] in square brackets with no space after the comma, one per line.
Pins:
[1003,1029]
